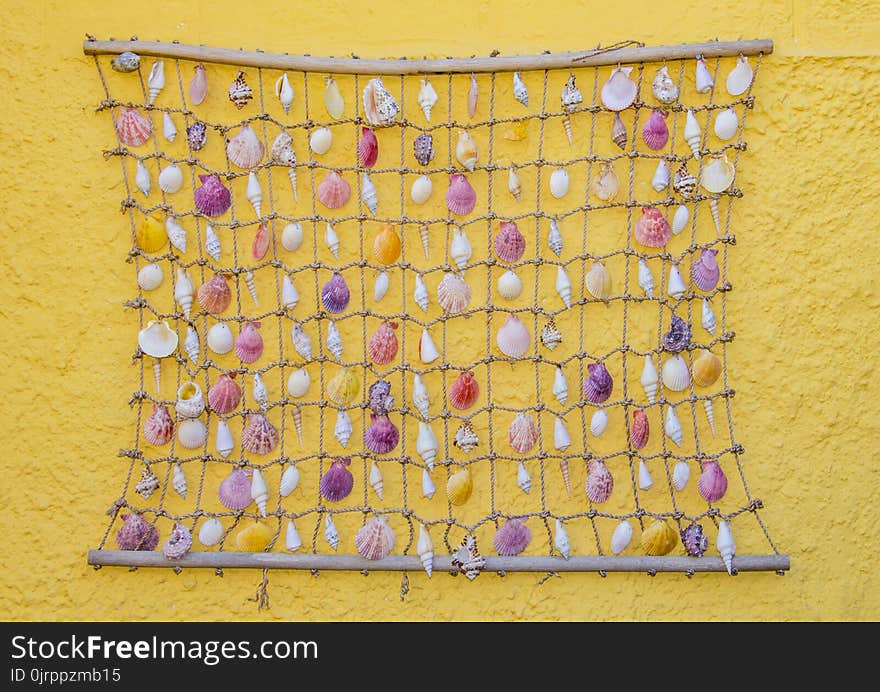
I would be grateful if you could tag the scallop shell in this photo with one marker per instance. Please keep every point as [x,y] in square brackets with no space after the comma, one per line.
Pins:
[383,343]
[380,286]
[245,149]
[599,483]
[212,198]
[551,337]
[211,532]
[705,271]
[367,148]
[420,293]
[646,278]
[190,401]
[142,178]
[298,383]
[239,92]
[509,242]
[333,101]
[619,91]
[563,285]
[598,422]
[334,192]
[675,373]
[663,88]
[249,344]
[302,342]
[150,276]
[337,481]
[382,436]
[375,540]
[712,482]
[706,369]
[680,219]
[136,533]
[621,537]
[461,198]
[459,487]
[599,384]
[605,185]
[654,131]
[460,248]
[560,386]
[254,538]
[192,433]
[513,338]
[428,352]
[224,395]
[639,430]
[652,229]
[717,175]
[335,294]
[726,124]
[598,281]
[171,179]
[659,538]
[453,294]
[704,81]
[465,438]
[466,150]
[512,538]
[509,285]
[739,79]
[132,128]
[464,392]
[320,140]
[214,295]
[259,436]
[681,473]
[159,426]
[523,433]
[386,245]
[423,148]
[559,183]
[421,189]
[380,108]
[220,338]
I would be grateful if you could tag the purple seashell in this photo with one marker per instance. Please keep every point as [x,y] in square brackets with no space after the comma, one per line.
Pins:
[461,198]
[423,147]
[712,483]
[178,543]
[678,338]
[136,533]
[335,294]
[337,483]
[197,135]
[598,385]
[380,399]
[599,483]
[655,132]
[212,199]
[512,538]
[693,540]
[705,271]
[382,435]
[235,490]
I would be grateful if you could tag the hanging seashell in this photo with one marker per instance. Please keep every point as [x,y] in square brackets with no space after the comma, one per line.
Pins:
[386,245]
[621,537]
[639,430]
[554,238]
[191,345]
[150,276]
[289,481]
[156,80]
[224,443]
[292,541]
[184,291]
[676,375]
[523,479]
[725,545]
[606,185]
[561,438]
[551,337]
[427,350]
[159,426]
[472,97]
[663,88]
[466,150]
[513,338]
[260,394]
[712,482]
[427,98]
[465,438]
[598,422]
[421,189]
[255,538]
[192,434]
[599,483]
[523,433]
[337,482]
[380,286]
[560,386]
[645,480]
[198,87]
[211,532]
[343,387]
[717,176]
[369,196]
[170,179]
[368,148]
[520,93]
[672,426]
[342,430]
[708,317]
[683,182]
[425,550]
[563,285]
[375,540]
[652,229]
[334,340]
[224,395]
[320,140]
[514,186]
[259,491]
[382,346]
[190,401]
[512,538]
[509,242]
[126,62]
[681,473]
[212,243]
[559,183]
[379,396]
[599,384]
[298,383]
[289,294]
[382,436]
[423,148]
[598,281]
[136,533]
[284,92]
[509,285]
[196,135]
[333,101]
[646,278]
[655,131]
[169,131]
[331,535]
[132,128]
[460,248]
[220,338]
[254,194]
[142,178]
[659,538]
[660,181]
[380,108]
[426,444]
[693,134]
[282,154]
[212,198]
[453,294]
[675,287]
[619,91]
[331,240]
[459,487]
[214,296]
[618,132]
[678,338]
[560,540]
[726,124]
[461,198]
[245,150]
[333,192]
[296,414]
[335,294]
[249,344]
[292,237]
[420,294]
[705,271]
[704,81]
[649,379]
[571,97]
[680,219]
[239,92]
[420,398]
[259,436]
[464,391]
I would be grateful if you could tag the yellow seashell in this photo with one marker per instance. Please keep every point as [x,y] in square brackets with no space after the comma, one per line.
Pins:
[333,101]
[466,150]
[343,387]
[386,246]
[516,132]
[151,235]
[459,487]
[254,538]
[706,369]
[598,281]
[659,538]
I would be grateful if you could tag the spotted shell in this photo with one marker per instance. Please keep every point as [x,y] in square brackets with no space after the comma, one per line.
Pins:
[453,294]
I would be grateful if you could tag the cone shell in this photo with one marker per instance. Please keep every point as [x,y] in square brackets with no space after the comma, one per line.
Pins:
[382,436]
[621,537]
[512,538]
[335,294]
[599,384]
[464,392]
[560,540]
[224,395]
[302,342]
[663,88]
[214,295]
[375,540]
[659,538]
[423,148]
[260,436]
[712,482]
[132,128]
[466,150]
[646,278]
[619,91]
[245,149]
[136,533]
[212,198]
[425,549]
[598,281]
[337,481]
[655,131]
[461,198]
[652,229]
[254,538]
[386,246]
[513,338]
[368,148]
[705,271]
[453,294]
[523,433]
[368,193]
[676,375]
[560,386]
[234,491]
[159,427]
[704,81]
[460,248]
[509,242]
[249,344]
[639,430]
[459,487]
[343,387]
[383,344]
[334,192]
[599,483]
[426,445]
[706,369]
[554,238]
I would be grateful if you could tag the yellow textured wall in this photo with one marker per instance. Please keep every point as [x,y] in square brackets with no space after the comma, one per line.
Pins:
[804,309]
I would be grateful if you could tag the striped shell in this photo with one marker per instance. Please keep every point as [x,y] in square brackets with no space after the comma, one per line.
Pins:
[382,435]
[706,369]
[343,387]
[212,198]
[334,191]
[245,149]
[368,148]
[249,344]
[523,433]
[383,343]
[705,271]
[598,281]
[159,427]
[224,395]
[234,491]
[136,533]
[513,338]
[337,482]
[659,538]
[375,540]
[598,385]
[712,482]
[260,436]
[459,487]
[599,483]
[453,294]
[132,128]
[509,242]
[652,229]
[512,538]
[464,392]
[335,294]
[639,431]
[461,198]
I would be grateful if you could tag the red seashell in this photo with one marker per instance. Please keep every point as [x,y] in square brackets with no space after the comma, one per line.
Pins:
[132,128]
[249,344]
[638,432]
[261,242]
[214,295]
[712,482]
[224,395]
[600,482]
[368,148]
[461,198]
[464,391]
[333,191]
[260,436]
[383,343]
[652,229]
[159,427]
[655,131]
[509,243]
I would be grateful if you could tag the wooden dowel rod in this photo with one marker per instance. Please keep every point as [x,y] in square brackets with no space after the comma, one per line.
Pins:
[547,61]
[397,563]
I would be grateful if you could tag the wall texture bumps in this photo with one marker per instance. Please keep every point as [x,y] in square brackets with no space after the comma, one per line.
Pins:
[803,309]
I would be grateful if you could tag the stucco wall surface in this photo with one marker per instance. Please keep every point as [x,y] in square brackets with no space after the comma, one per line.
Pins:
[805,309]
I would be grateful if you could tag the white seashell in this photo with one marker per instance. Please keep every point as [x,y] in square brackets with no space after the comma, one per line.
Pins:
[598,422]
[169,131]
[302,342]
[420,397]
[646,278]
[331,535]
[178,481]
[704,81]
[466,150]
[428,487]
[212,243]
[421,189]
[150,276]
[425,549]
[692,133]
[560,540]
[427,98]
[292,236]
[680,219]
[298,383]
[561,438]
[259,491]
[554,238]
[261,396]
[514,186]
[420,294]
[509,285]
[676,374]
[224,443]
[726,545]
[251,286]
[465,438]
[292,541]
[176,234]
[254,192]
[740,77]
[645,480]
[726,124]
[342,429]
[332,241]
[191,345]
[427,350]
[170,179]
[523,479]
[380,108]
[142,178]
[520,93]
[289,294]
[563,285]
[559,183]
[156,80]
[681,473]
[660,181]
[320,140]
[334,340]
[376,479]
[663,88]
[368,193]
[673,427]
[621,537]
[710,414]
[184,291]
[220,339]
[289,481]
[708,317]
[192,433]
[676,286]
[426,444]
[560,387]
[211,532]
[460,248]
[380,286]
[650,379]
[284,92]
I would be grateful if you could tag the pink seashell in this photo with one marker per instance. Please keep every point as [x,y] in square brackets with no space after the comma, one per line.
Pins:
[705,271]
[638,432]
[379,398]
[619,91]
[224,396]
[523,433]
[132,128]
[461,198]
[214,295]
[368,148]
[509,242]
[178,543]
[512,538]
[260,436]
[382,435]
[212,198]
[235,490]
[600,482]
[197,135]
[513,338]
[423,148]
[261,242]
[245,149]
[375,539]
[652,229]
[464,391]
[159,427]
[383,343]
[655,132]
[335,294]
[136,533]
[453,294]
[198,87]
[249,344]
[337,482]
[333,191]
[712,482]
[598,385]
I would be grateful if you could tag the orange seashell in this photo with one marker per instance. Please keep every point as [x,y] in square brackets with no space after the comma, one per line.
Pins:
[333,191]
[383,343]
[652,229]
[464,391]
[638,433]
[386,246]
[261,242]
[214,295]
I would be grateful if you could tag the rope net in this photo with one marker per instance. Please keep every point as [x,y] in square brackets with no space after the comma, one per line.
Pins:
[621,326]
